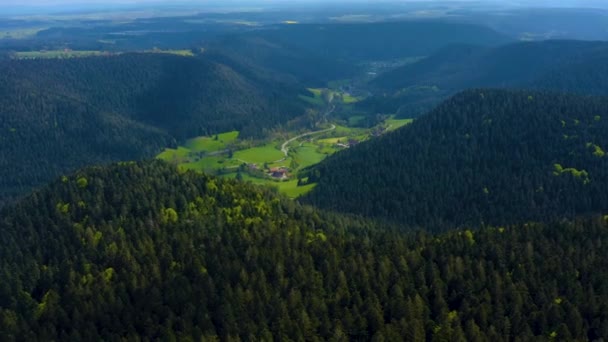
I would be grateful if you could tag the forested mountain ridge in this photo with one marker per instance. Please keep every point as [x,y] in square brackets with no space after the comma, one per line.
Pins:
[465,66]
[59,115]
[357,42]
[481,157]
[142,251]
[560,65]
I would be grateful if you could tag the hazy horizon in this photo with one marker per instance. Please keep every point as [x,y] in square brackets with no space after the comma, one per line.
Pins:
[507,3]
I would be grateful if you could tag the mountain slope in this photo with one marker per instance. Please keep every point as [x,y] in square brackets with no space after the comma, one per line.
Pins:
[572,66]
[483,156]
[58,115]
[140,251]
[457,67]
[316,54]
[360,42]
[281,59]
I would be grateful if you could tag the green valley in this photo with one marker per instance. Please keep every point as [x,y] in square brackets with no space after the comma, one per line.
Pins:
[276,161]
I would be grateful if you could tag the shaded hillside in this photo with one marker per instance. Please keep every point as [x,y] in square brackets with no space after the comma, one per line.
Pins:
[57,115]
[458,67]
[140,251]
[483,156]
[379,41]
[572,66]
[284,59]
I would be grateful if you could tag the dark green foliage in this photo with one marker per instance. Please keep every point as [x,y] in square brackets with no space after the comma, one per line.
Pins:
[316,54]
[284,59]
[484,156]
[368,41]
[58,115]
[572,66]
[463,66]
[142,251]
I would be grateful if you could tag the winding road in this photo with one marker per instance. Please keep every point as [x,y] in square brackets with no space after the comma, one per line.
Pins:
[285,149]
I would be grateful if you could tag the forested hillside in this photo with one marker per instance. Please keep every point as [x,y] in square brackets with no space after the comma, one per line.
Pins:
[284,59]
[57,115]
[482,157]
[379,41]
[461,66]
[315,54]
[141,251]
[571,66]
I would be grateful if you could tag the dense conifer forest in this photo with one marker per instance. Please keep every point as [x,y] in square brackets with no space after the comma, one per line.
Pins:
[58,115]
[482,157]
[142,251]
[556,65]
[450,159]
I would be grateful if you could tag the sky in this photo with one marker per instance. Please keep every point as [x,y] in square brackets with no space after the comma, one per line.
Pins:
[557,3]
[76,4]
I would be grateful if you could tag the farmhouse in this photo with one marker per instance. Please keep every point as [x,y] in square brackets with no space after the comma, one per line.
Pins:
[279,172]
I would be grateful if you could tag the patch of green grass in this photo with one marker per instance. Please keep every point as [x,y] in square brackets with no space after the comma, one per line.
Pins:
[50,54]
[393,123]
[332,141]
[347,131]
[211,144]
[174,155]
[289,188]
[210,164]
[348,99]
[316,91]
[307,155]
[292,190]
[316,99]
[21,33]
[183,53]
[260,155]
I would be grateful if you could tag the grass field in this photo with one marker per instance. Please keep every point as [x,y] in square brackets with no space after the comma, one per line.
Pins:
[393,123]
[211,144]
[332,141]
[316,99]
[21,33]
[307,155]
[288,188]
[348,99]
[260,155]
[184,53]
[302,154]
[57,54]
[178,155]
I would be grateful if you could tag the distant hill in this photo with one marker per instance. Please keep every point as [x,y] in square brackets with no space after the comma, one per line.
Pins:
[550,65]
[481,157]
[284,59]
[57,115]
[140,251]
[457,67]
[584,21]
[318,53]
[379,41]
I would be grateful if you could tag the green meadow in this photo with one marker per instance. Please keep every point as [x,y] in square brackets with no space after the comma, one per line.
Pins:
[268,153]
[214,143]
[307,155]
[208,154]
[184,52]
[50,54]
[393,124]
[288,188]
